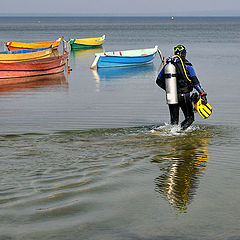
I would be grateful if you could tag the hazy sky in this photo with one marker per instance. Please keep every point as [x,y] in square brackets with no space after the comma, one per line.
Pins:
[122,7]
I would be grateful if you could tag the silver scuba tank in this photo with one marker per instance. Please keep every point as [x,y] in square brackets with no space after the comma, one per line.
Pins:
[171,83]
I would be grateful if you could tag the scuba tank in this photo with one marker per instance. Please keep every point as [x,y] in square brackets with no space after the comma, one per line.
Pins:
[170,74]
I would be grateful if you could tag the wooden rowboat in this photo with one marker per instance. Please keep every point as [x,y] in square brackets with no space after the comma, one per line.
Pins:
[20,45]
[25,55]
[85,43]
[15,72]
[124,58]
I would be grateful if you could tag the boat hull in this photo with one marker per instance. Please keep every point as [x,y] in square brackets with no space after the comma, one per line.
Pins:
[124,58]
[112,61]
[38,67]
[20,45]
[81,46]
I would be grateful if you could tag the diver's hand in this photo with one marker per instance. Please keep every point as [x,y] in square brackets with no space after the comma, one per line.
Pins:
[204,98]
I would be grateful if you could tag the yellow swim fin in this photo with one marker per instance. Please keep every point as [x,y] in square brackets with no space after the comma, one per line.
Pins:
[204,110]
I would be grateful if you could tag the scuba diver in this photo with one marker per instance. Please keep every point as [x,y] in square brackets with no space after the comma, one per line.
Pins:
[178,79]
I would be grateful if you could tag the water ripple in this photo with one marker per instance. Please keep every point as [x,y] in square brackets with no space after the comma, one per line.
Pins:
[74,175]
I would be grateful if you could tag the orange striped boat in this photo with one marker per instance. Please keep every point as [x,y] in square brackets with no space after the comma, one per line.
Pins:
[20,45]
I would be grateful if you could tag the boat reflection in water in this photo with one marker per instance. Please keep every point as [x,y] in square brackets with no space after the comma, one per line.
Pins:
[106,75]
[76,54]
[103,74]
[182,165]
[27,83]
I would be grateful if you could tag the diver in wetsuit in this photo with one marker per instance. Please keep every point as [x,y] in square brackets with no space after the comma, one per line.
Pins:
[186,82]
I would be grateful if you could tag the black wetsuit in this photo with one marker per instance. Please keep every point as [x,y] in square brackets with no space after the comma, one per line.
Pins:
[184,88]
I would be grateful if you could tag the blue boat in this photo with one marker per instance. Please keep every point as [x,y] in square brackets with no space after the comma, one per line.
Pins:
[124,58]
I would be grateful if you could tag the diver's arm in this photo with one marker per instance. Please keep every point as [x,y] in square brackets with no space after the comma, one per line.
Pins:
[195,82]
[160,80]
[200,90]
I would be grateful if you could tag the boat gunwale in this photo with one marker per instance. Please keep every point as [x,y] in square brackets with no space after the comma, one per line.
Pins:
[107,54]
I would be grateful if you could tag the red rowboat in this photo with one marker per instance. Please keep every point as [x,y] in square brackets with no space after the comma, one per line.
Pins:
[12,72]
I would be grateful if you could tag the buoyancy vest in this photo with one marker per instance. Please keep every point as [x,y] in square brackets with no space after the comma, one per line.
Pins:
[184,84]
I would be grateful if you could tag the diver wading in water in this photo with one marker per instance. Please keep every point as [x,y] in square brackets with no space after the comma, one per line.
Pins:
[179,79]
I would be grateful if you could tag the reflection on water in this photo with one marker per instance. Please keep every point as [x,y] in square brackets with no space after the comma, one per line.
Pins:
[76,54]
[123,72]
[102,75]
[50,181]
[182,162]
[26,83]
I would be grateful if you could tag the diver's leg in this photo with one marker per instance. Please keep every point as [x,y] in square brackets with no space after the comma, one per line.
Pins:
[174,113]
[187,108]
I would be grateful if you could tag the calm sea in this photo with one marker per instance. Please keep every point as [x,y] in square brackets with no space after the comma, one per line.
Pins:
[90,155]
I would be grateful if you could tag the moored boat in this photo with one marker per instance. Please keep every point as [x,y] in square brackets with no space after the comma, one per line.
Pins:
[85,43]
[25,55]
[15,72]
[21,45]
[124,58]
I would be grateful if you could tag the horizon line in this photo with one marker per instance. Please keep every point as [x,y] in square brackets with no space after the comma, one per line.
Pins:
[104,15]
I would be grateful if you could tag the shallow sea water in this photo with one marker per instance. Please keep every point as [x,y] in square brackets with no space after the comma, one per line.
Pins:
[90,154]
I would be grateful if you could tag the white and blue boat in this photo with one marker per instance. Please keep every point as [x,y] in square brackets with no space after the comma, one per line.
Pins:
[124,58]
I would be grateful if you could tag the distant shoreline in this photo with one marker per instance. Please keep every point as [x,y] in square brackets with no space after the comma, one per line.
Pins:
[113,16]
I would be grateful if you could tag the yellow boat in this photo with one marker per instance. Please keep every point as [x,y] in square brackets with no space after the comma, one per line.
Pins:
[20,45]
[85,43]
[25,55]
